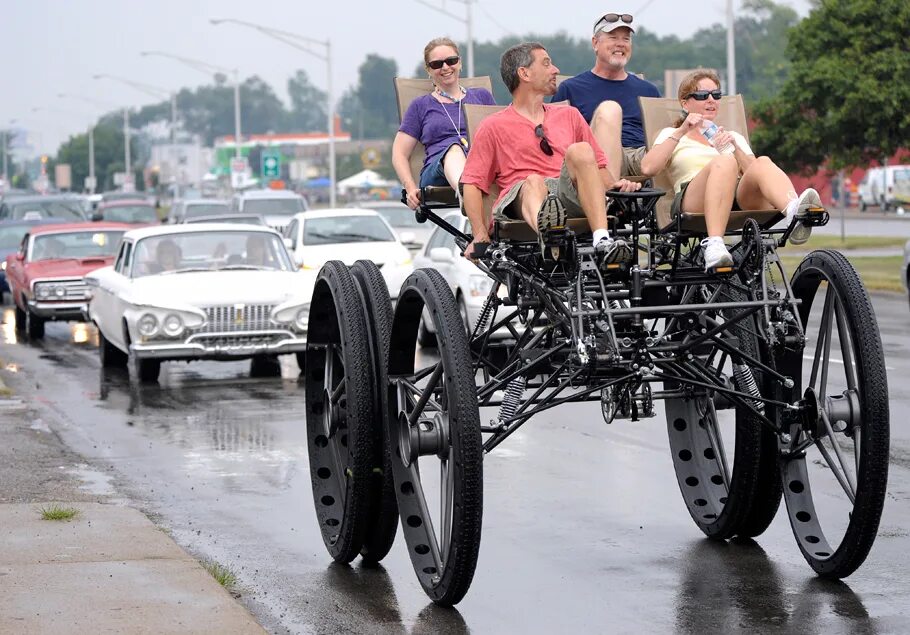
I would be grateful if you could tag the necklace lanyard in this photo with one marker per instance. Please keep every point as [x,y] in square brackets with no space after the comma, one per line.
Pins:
[461,138]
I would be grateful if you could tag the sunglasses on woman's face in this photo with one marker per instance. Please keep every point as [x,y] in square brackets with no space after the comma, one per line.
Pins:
[544,144]
[702,95]
[450,61]
[610,18]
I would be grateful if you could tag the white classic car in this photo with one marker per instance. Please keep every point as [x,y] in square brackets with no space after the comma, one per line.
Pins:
[216,291]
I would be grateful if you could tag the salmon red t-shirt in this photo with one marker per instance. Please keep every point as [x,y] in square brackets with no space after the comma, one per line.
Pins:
[505,149]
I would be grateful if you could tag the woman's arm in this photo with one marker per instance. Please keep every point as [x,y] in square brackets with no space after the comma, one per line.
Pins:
[658,156]
[402,147]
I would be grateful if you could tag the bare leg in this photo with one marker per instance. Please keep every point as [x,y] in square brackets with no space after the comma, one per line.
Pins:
[606,124]
[530,197]
[582,168]
[764,185]
[711,192]
[453,165]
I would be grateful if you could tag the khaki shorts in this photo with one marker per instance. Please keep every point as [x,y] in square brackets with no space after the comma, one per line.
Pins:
[562,187]
[631,161]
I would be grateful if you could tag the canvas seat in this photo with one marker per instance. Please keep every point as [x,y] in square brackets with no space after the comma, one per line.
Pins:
[407,90]
[658,113]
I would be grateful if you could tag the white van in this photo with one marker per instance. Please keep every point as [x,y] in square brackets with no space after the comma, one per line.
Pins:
[877,187]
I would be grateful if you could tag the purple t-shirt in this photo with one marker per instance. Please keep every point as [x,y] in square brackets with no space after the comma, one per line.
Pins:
[433,123]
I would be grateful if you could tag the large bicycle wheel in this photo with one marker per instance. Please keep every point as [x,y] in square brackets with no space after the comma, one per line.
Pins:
[835,466]
[719,453]
[382,516]
[339,411]
[434,425]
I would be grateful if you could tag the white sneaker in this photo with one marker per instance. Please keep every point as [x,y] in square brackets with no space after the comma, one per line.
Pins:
[716,254]
[809,198]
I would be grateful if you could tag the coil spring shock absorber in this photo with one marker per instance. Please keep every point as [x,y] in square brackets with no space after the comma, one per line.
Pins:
[485,311]
[512,398]
[745,382]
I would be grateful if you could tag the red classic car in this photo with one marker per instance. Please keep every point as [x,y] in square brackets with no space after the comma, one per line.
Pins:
[46,274]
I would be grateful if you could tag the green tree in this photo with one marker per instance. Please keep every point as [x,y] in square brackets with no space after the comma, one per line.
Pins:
[845,99]
[373,99]
[308,103]
[108,154]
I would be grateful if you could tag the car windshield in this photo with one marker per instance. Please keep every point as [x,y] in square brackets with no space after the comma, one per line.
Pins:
[229,218]
[11,236]
[398,217]
[77,244]
[130,214]
[176,253]
[205,209]
[274,206]
[35,209]
[331,230]
[902,177]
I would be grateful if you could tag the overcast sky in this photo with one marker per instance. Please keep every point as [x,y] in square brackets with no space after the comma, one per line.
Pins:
[49,47]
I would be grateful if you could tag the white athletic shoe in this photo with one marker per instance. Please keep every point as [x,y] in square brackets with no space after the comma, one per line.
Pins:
[809,198]
[716,254]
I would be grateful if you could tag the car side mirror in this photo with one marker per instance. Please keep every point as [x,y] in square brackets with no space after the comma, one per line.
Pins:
[97,216]
[441,254]
[408,237]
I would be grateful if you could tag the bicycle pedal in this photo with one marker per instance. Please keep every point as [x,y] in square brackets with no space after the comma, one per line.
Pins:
[723,270]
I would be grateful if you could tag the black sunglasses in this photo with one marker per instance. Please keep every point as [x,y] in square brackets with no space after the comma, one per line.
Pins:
[544,144]
[437,64]
[702,95]
[610,18]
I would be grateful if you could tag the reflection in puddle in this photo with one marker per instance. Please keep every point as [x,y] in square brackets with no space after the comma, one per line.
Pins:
[83,333]
[8,326]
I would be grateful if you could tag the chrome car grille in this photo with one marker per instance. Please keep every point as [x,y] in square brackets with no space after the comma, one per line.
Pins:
[237,318]
[72,290]
[226,342]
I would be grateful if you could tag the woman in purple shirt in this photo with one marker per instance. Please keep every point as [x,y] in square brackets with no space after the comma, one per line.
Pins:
[437,121]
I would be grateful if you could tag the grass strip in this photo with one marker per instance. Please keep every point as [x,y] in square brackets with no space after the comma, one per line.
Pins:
[58,513]
[878,273]
[222,573]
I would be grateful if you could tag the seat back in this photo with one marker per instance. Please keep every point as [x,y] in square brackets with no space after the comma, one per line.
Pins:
[661,112]
[408,89]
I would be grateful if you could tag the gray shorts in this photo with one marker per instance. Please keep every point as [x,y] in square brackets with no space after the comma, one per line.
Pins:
[562,187]
[631,161]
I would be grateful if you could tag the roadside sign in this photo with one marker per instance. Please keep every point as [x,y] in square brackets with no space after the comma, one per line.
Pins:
[42,183]
[239,170]
[119,178]
[371,158]
[271,164]
[91,183]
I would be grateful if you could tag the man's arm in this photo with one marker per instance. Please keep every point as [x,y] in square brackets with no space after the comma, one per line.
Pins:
[472,197]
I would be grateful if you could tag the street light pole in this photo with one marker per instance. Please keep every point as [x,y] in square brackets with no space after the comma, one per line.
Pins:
[207,68]
[302,43]
[468,21]
[5,161]
[91,138]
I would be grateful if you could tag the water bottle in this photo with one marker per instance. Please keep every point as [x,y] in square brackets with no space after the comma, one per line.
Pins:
[709,129]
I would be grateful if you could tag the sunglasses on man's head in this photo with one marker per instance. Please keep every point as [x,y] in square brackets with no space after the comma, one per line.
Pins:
[450,61]
[544,143]
[702,95]
[610,18]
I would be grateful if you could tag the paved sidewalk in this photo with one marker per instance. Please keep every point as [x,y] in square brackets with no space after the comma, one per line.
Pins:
[108,569]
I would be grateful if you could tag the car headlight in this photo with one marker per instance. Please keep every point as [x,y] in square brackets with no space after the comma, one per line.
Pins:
[147,324]
[303,318]
[173,325]
[43,291]
[59,291]
[3,266]
[479,286]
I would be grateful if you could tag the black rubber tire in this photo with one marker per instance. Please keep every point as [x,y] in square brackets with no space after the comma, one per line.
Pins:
[382,524]
[301,361]
[34,325]
[111,356]
[265,366]
[425,338]
[340,436]
[871,475]
[147,370]
[722,512]
[20,319]
[462,444]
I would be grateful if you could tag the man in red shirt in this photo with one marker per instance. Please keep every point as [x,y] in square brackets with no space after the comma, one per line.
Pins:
[544,159]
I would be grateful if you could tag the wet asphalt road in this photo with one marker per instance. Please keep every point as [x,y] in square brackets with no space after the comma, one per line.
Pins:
[584,527]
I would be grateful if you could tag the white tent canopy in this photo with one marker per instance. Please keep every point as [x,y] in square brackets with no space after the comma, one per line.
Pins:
[363,179]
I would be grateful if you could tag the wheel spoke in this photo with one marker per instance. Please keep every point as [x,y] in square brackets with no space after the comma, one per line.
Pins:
[823,329]
[837,450]
[447,487]
[431,384]
[720,456]
[425,515]
[846,348]
[834,470]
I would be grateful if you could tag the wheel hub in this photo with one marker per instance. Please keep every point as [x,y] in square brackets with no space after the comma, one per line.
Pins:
[424,437]
[843,411]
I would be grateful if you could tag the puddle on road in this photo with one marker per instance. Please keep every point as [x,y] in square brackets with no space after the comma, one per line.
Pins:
[8,327]
[93,481]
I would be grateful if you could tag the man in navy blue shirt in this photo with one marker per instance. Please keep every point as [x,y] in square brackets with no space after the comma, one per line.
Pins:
[607,95]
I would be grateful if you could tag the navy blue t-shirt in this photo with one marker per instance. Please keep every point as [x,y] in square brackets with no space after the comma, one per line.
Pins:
[587,91]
